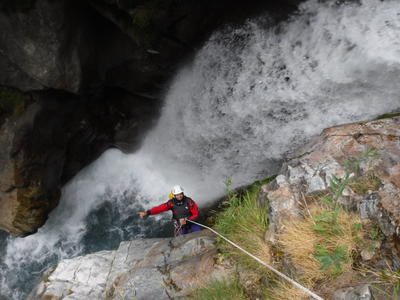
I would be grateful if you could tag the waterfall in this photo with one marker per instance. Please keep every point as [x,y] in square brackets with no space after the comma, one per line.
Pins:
[251,95]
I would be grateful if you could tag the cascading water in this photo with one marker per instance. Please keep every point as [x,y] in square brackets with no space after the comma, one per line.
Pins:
[251,95]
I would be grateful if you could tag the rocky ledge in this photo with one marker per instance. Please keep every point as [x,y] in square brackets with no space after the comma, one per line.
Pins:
[139,269]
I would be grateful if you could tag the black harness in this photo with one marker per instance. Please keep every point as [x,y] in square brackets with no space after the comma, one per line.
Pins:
[180,209]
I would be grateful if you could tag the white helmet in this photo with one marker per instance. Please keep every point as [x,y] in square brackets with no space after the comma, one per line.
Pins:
[177,189]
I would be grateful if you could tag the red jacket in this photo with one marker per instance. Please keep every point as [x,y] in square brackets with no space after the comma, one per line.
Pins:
[192,208]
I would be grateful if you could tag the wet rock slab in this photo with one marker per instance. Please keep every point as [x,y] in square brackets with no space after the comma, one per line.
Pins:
[144,269]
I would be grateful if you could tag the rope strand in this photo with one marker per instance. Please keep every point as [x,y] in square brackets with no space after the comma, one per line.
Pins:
[304,289]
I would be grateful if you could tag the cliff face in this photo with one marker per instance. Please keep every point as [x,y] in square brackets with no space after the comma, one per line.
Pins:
[39,46]
[47,137]
[78,77]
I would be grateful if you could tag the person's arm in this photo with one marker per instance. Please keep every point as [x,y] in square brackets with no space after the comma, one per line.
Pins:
[194,210]
[158,209]
[155,210]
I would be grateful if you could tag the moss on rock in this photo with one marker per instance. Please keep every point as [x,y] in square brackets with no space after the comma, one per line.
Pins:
[12,101]
[388,115]
[142,29]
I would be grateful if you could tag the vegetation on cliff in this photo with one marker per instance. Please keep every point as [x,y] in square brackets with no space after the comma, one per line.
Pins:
[220,290]
[244,221]
[12,101]
[388,115]
[326,247]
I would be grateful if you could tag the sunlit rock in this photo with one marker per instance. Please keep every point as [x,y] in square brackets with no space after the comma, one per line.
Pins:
[140,269]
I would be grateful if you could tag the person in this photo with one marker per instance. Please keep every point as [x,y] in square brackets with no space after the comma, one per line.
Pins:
[183,208]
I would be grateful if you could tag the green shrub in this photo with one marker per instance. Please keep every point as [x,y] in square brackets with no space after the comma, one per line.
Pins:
[331,259]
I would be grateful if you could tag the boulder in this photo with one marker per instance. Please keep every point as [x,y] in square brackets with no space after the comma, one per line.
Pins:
[140,269]
[361,292]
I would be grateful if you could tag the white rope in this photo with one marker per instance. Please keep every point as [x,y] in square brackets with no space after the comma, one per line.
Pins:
[304,289]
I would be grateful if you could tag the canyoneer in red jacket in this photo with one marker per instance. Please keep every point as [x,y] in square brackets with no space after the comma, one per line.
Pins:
[183,208]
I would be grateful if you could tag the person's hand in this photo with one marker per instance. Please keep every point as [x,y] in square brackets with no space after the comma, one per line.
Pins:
[182,221]
[142,214]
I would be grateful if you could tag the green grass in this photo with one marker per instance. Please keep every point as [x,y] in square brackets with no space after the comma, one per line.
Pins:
[220,290]
[244,222]
[389,115]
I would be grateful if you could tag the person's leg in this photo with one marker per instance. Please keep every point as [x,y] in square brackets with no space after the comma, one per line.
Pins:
[195,227]
[185,229]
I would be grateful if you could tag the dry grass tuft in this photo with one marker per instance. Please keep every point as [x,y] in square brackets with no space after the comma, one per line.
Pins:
[299,240]
[287,291]
[264,251]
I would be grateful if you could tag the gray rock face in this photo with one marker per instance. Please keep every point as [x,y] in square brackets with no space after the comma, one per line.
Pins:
[361,292]
[311,168]
[40,47]
[139,269]
[12,75]
[25,201]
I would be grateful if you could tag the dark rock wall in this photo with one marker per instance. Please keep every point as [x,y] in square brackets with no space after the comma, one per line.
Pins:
[77,45]
[38,43]
[45,143]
